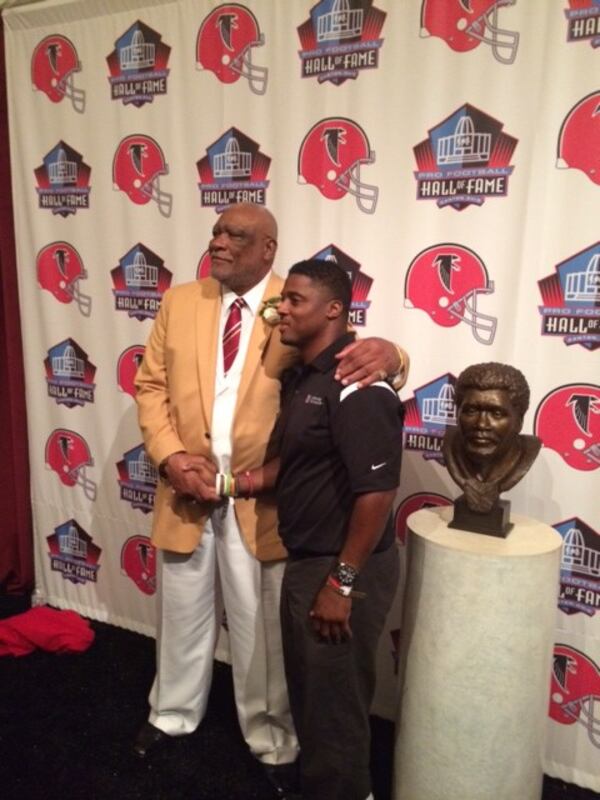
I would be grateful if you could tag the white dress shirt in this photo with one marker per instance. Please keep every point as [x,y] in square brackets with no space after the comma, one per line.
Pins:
[226,386]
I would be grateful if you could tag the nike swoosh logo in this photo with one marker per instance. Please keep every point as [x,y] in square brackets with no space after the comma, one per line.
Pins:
[378,466]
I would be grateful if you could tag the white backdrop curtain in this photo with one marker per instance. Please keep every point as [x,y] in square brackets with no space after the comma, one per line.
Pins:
[460,142]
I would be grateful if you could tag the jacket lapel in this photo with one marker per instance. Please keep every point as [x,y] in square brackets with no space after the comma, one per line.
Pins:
[261,333]
[208,311]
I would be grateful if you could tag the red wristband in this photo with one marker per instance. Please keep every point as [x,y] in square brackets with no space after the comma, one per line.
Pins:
[333,583]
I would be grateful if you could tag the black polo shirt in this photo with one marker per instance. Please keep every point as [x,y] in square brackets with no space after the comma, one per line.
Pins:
[334,442]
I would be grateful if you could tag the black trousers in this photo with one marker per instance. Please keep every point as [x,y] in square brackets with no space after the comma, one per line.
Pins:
[331,685]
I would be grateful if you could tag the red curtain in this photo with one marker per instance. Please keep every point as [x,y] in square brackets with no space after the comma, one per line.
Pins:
[16,538]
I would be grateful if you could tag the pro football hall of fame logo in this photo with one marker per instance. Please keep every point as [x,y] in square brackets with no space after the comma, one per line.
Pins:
[73,553]
[464,160]
[427,415]
[567,420]
[361,283]
[446,281]
[583,21]
[579,567]
[339,39]
[139,281]
[138,478]
[233,171]
[138,66]
[571,299]
[63,181]
[69,374]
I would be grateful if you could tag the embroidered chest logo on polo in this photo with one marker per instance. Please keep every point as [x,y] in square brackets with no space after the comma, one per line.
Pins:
[313,400]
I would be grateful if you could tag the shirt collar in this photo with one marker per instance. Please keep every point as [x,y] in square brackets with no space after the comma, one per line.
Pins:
[326,359]
[252,298]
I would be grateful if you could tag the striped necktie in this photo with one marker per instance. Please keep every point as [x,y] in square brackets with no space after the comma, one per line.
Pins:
[231,334]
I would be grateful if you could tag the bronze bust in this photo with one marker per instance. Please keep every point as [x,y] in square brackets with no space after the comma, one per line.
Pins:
[486,454]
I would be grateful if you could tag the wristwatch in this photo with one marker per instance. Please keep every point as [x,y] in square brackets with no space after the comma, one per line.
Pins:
[345,574]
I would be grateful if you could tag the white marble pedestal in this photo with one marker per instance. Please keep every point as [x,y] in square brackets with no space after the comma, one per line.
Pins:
[475,660]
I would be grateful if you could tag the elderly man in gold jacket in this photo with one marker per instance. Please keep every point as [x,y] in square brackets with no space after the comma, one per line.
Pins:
[196,417]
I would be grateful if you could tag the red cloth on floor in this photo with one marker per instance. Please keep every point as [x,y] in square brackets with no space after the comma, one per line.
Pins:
[46,628]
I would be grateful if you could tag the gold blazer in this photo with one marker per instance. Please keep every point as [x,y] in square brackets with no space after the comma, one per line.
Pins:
[175,395]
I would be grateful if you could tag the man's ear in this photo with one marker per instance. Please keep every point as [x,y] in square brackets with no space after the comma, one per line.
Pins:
[270,248]
[334,309]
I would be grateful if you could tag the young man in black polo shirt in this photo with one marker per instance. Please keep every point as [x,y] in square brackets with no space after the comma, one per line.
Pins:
[338,467]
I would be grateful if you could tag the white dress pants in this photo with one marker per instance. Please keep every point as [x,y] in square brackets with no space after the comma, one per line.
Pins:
[188,624]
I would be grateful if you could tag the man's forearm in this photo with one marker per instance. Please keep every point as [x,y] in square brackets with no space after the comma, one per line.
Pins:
[369,360]
[368,518]
[330,613]
[256,481]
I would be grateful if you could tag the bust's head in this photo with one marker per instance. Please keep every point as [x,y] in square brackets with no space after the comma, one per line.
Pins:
[491,401]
